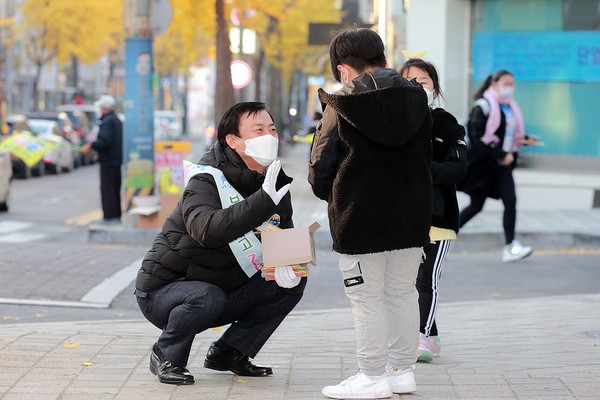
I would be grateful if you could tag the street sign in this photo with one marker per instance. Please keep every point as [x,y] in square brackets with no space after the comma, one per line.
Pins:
[241,74]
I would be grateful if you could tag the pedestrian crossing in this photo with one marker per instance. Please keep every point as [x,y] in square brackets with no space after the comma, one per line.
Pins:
[18,232]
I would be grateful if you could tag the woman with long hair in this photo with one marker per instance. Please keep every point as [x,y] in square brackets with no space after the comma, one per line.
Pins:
[496,132]
[449,166]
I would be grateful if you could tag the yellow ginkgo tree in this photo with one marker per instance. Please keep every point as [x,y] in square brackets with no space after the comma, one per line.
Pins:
[187,39]
[186,42]
[282,28]
[63,30]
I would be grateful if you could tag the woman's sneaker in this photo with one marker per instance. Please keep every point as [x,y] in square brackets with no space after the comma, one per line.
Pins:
[515,251]
[429,347]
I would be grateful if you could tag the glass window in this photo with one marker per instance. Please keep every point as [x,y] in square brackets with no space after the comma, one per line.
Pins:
[581,15]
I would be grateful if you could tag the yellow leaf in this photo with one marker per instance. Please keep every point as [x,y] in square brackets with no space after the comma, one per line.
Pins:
[217,328]
[87,364]
[71,345]
[240,380]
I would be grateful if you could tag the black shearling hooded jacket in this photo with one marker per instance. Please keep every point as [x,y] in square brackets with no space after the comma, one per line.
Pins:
[371,161]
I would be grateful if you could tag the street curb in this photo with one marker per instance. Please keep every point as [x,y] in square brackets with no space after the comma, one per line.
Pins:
[473,242]
[119,234]
[466,242]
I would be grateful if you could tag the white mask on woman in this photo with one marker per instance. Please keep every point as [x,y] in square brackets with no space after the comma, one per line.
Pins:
[262,149]
[506,92]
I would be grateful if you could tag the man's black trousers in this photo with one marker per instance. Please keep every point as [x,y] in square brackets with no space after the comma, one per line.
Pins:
[110,191]
[183,309]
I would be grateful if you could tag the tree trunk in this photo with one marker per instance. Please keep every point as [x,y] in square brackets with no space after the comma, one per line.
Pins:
[258,66]
[184,116]
[274,99]
[292,118]
[75,72]
[112,64]
[36,82]
[224,90]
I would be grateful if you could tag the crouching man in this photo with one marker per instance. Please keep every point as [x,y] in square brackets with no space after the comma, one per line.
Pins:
[203,268]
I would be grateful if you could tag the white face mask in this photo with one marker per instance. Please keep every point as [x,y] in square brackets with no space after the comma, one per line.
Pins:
[262,149]
[506,91]
[429,96]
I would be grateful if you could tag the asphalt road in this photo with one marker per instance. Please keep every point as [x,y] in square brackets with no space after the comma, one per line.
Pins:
[54,211]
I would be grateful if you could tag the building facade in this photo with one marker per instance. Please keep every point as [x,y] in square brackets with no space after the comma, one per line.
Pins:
[551,46]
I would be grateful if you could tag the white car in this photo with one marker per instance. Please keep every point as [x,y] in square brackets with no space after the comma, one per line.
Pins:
[167,125]
[60,158]
[5,180]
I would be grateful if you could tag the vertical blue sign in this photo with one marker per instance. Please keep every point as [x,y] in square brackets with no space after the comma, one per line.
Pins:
[139,129]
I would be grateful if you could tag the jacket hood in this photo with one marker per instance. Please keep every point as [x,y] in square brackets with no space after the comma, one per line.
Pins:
[381,105]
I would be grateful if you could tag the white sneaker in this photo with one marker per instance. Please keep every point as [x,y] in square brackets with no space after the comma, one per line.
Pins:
[403,381]
[515,251]
[361,386]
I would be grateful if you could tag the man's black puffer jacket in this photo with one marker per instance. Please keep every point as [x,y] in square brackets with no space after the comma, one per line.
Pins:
[193,243]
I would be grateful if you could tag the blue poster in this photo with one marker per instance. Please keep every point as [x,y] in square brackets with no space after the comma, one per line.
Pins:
[565,56]
[139,129]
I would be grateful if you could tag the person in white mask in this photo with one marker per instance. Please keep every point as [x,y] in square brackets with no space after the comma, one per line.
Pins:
[448,167]
[203,269]
[496,132]
[371,161]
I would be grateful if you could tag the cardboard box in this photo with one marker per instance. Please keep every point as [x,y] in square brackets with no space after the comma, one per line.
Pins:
[289,246]
[153,216]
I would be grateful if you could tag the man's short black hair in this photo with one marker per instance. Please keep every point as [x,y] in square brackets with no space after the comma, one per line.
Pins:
[231,119]
[360,48]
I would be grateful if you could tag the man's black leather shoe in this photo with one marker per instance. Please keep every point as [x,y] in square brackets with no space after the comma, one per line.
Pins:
[230,359]
[166,372]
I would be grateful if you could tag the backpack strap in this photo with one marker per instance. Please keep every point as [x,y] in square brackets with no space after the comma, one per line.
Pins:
[484,105]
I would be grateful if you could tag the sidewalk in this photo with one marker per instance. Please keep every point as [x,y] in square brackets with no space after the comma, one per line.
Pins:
[541,348]
[538,348]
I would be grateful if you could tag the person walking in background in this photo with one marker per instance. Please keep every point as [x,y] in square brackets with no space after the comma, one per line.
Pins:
[448,167]
[109,146]
[371,161]
[496,132]
[202,270]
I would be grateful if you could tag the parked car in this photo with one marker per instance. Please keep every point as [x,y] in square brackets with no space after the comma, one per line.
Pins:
[85,122]
[87,117]
[17,125]
[167,125]
[66,129]
[5,180]
[59,157]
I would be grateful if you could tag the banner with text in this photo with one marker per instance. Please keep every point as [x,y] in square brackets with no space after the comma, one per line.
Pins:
[565,56]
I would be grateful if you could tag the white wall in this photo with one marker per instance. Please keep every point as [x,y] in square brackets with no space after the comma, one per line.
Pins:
[442,29]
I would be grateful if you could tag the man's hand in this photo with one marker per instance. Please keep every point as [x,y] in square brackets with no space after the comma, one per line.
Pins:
[286,277]
[86,149]
[271,179]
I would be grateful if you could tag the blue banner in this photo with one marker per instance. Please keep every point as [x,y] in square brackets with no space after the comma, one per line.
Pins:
[565,56]
[139,129]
